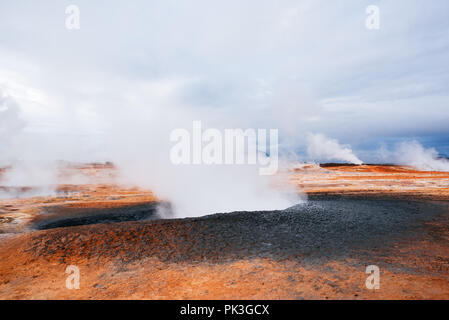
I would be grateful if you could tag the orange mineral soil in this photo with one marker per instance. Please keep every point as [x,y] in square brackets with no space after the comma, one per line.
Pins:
[126,260]
[380,180]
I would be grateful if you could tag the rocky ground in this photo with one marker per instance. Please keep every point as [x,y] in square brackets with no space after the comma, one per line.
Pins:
[396,218]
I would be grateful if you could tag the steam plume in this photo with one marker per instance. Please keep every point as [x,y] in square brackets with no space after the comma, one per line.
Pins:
[319,147]
[412,153]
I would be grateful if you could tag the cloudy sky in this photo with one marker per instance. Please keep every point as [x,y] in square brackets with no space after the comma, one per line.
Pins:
[301,66]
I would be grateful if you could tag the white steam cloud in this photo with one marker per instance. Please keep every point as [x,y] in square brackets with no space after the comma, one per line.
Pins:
[10,127]
[134,136]
[412,153]
[24,168]
[138,143]
[319,147]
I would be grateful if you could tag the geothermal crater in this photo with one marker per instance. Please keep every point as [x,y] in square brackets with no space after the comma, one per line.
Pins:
[62,216]
[396,218]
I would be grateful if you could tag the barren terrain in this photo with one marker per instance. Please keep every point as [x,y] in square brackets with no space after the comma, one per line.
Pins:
[394,217]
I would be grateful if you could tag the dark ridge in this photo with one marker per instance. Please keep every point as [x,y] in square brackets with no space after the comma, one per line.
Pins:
[334,164]
[64,216]
[16,190]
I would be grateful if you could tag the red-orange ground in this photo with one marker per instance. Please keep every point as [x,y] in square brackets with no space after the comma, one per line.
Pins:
[33,263]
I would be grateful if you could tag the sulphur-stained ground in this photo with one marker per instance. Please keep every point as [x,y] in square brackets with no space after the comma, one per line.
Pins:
[384,180]
[126,247]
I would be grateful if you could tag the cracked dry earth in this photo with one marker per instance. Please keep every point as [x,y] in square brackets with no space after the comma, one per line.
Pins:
[394,217]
